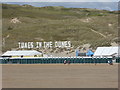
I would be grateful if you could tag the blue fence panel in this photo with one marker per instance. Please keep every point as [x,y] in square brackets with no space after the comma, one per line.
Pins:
[118,59]
[58,60]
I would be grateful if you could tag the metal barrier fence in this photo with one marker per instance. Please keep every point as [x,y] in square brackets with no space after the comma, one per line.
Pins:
[118,59]
[59,60]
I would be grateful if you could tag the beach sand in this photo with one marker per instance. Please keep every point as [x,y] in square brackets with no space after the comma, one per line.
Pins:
[60,76]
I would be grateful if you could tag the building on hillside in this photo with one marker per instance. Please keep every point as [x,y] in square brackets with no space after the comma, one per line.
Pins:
[107,52]
[22,53]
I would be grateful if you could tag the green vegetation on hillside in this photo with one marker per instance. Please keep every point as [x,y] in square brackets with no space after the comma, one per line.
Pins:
[79,25]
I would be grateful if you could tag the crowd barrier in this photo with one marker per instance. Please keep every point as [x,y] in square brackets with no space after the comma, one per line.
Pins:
[59,60]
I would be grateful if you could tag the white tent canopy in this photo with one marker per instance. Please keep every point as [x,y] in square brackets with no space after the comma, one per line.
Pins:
[22,53]
[106,51]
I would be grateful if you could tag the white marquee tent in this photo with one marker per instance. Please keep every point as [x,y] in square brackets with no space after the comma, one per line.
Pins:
[107,51]
[22,53]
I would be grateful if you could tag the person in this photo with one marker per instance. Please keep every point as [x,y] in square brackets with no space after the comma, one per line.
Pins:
[65,62]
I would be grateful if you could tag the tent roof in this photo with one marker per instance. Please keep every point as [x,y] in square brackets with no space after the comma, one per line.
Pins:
[22,52]
[106,51]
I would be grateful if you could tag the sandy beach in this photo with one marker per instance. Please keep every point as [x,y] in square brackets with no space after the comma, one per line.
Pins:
[60,76]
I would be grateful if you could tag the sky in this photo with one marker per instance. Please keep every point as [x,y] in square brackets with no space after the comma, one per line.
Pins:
[60,0]
[112,5]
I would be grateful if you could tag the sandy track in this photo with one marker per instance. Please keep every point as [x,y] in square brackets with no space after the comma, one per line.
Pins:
[60,76]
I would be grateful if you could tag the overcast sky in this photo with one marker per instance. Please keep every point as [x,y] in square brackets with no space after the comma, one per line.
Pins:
[98,5]
[60,0]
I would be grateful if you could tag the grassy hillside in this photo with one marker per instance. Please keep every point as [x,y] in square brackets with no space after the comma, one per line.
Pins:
[79,25]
